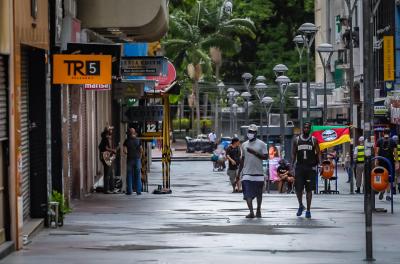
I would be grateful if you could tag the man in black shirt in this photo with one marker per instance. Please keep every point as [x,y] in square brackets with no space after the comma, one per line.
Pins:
[306,156]
[387,148]
[233,155]
[133,149]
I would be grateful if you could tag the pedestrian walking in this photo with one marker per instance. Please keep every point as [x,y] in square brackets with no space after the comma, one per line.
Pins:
[306,156]
[359,157]
[133,149]
[107,156]
[254,151]
[213,139]
[387,148]
[233,155]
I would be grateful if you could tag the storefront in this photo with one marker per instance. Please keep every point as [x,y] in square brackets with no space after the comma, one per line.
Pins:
[28,122]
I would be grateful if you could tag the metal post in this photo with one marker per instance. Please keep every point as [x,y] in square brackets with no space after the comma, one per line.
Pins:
[282,123]
[351,84]
[268,176]
[368,122]
[216,118]
[230,119]
[308,81]
[325,117]
[261,125]
[247,111]
[301,94]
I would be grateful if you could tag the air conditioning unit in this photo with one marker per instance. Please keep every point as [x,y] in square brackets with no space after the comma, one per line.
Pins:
[275,119]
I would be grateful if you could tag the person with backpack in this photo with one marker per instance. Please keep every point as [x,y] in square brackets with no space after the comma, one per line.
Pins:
[306,157]
[387,148]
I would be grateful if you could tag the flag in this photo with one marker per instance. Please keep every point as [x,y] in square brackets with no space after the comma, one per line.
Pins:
[329,136]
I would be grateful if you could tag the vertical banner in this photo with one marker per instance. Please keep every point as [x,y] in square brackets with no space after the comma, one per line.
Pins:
[388,58]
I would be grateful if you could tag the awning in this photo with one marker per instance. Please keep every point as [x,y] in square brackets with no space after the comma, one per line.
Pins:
[125,20]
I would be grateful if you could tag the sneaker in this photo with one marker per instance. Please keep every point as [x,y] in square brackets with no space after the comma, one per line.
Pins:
[388,198]
[381,195]
[300,210]
[251,215]
[308,214]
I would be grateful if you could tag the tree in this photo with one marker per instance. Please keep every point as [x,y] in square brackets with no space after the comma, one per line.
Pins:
[193,33]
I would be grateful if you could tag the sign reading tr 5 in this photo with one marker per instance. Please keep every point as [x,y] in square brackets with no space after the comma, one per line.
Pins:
[81,69]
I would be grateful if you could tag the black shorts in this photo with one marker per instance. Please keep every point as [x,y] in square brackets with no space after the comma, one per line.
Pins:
[305,177]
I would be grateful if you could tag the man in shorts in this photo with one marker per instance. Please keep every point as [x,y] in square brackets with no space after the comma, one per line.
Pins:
[306,156]
[233,156]
[254,151]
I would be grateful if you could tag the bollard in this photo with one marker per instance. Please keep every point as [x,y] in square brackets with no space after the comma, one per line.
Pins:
[53,214]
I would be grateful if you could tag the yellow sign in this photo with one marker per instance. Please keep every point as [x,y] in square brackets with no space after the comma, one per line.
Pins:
[388,58]
[81,69]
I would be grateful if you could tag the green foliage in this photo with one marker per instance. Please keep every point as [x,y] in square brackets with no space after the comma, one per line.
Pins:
[265,40]
[62,205]
[184,122]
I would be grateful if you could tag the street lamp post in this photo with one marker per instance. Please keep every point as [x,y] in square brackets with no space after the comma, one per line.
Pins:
[280,70]
[308,31]
[267,103]
[283,82]
[260,89]
[247,77]
[235,108]
[299,42]
[246,96]
[231,92]
[218,127]
[325,51]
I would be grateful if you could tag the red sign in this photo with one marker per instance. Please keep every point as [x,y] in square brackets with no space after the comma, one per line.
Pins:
[163,81]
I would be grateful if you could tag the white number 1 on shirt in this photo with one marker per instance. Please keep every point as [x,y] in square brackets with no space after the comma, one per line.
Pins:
[305,154]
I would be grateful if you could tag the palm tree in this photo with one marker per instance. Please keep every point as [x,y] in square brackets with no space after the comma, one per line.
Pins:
[192,35]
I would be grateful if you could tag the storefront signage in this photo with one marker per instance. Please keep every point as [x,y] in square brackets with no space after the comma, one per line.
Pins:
[388,58]
[81,69]
[124,90]
[142,113]
[97,87]
[380,110]
[143,66]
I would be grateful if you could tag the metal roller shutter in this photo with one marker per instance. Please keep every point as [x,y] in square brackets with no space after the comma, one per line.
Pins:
[25,132]
[3,101]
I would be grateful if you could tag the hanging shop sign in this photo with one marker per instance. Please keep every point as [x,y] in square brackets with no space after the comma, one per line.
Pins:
[388,58]
[81,69]
[380,110]
[163,81]
[123,90]
[143,66]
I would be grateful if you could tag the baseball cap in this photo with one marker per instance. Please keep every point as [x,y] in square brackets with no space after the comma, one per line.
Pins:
[253,128]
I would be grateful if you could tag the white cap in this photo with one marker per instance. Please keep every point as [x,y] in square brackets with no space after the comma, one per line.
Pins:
[253,127]
[361,138]
[395,137]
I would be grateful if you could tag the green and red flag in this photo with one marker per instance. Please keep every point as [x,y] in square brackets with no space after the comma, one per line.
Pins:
[329,136]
